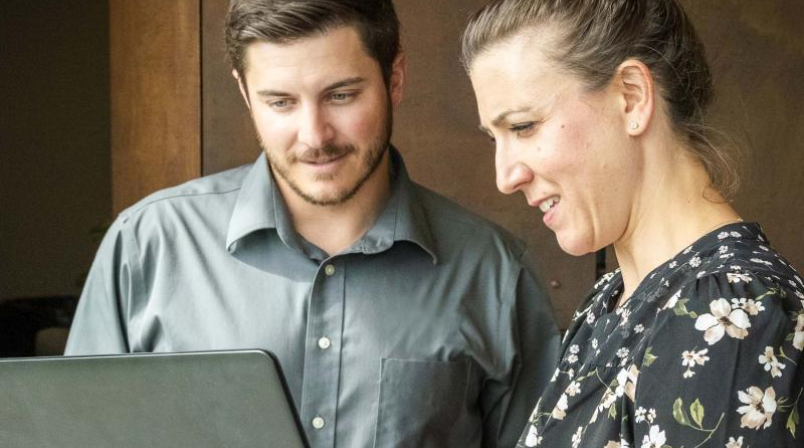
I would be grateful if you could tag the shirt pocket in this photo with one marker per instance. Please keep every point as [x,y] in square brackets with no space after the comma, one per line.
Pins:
[423,404]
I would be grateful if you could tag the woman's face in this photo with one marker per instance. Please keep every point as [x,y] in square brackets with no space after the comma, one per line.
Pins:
[566,149]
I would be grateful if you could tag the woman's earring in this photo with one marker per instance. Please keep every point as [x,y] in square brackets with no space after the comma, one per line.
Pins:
[634,125]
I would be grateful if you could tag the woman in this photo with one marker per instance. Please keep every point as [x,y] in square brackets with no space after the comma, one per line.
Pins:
[596,108]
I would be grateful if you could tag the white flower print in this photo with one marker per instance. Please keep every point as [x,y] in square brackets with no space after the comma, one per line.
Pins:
[722,320]
[723,249]
[798,338]
[736,277]
[624,316]
[735,234]
[573,389]
[639,415]
[622,352]
[574,349]
[750,306]
[771,362]
[651,415]
[655,438]
[576,438]
[626,382]
[735,443]
[594,344]
[695,262]
[671,303]
[672,264]
[590,318]
[691,358]
[759,407]
[639,328]
[533,438]
[572,359]
[560,411]
[571,373]
[722,235]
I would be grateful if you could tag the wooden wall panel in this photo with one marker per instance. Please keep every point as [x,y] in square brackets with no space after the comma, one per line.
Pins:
[155,96]
[229,139]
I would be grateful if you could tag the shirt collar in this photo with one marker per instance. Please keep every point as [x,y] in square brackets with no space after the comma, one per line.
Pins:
[260,206]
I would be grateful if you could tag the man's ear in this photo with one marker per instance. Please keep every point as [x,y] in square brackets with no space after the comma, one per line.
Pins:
[242,85]
[634,84]
[396,83]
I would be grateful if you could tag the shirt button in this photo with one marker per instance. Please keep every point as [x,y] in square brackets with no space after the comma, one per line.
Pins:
[324,343]
[318,423]
[329,270]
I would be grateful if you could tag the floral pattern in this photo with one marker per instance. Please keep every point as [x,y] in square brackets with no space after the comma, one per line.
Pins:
[704,354]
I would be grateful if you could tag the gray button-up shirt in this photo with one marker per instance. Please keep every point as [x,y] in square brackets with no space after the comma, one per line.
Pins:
[430,331]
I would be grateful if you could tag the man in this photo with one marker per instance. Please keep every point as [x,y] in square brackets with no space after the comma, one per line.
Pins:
[399,318]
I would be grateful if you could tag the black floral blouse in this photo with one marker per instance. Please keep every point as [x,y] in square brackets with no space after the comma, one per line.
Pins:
[706,353]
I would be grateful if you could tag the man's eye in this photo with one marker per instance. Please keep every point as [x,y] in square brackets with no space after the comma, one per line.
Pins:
[278,104]
[342,96]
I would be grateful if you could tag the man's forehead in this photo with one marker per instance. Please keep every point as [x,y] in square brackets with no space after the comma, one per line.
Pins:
[339,46]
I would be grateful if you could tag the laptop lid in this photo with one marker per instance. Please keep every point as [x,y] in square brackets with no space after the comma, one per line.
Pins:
[194,400]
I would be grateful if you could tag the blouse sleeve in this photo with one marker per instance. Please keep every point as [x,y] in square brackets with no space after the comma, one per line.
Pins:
[721,367]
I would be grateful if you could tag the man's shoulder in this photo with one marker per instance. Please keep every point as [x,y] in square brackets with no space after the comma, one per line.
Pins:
[207,190]
[450,220]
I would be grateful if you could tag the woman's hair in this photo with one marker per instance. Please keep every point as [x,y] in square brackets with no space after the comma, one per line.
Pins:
[283,21]
[596,36]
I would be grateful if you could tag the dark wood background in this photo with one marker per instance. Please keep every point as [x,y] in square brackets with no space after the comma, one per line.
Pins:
[168,59]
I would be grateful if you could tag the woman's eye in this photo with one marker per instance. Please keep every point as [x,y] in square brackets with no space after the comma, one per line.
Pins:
[523,129]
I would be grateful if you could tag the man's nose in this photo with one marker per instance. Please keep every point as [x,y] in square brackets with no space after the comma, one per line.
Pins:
[315,130]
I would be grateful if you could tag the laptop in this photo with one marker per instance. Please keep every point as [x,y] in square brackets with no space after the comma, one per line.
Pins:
[226,399]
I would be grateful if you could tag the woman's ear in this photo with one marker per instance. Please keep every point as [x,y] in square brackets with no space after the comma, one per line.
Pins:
[634,83]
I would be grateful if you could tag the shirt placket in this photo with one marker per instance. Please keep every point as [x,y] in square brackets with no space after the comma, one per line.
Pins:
[323,352]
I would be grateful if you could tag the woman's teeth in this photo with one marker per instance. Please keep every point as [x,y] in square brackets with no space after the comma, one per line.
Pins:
[547,204]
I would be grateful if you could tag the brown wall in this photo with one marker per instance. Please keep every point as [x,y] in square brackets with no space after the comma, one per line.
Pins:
[54,139]
[757,53]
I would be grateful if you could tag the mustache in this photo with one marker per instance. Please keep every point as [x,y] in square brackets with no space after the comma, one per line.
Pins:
[325,153]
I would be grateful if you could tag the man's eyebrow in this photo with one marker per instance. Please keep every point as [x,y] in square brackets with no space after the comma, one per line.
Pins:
[336,85]
[272,93]
[345,83]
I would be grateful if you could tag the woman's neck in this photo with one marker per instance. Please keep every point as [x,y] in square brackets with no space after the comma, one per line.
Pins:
[678,209]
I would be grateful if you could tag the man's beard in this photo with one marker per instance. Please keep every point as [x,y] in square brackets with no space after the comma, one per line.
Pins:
[371,159]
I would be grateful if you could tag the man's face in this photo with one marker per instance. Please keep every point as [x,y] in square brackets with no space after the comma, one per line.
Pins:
[322,112]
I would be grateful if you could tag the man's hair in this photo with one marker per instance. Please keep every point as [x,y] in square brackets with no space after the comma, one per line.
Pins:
[595,36]
[283,21]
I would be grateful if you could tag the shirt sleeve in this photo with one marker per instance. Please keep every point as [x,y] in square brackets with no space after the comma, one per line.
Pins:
[99,325]
[531,354]
[721,366]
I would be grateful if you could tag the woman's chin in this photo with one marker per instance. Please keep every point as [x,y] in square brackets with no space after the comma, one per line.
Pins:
[574,247]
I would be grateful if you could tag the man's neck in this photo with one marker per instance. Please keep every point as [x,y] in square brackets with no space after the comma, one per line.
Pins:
[335,228]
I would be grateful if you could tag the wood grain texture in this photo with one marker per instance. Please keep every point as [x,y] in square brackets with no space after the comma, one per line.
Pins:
[155,96]
[229,139]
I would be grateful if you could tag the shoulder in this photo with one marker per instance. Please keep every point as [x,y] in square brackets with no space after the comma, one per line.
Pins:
[453,223]
[209,191]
